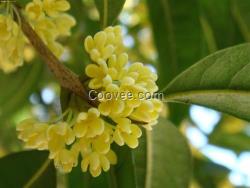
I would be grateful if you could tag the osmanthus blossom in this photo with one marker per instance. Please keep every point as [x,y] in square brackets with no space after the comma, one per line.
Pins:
[49,20]
[92,132]
[12,43]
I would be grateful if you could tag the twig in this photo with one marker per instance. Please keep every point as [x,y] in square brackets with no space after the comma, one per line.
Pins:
[65,76]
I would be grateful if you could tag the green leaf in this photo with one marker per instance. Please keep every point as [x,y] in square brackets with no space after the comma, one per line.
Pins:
[163,158]
[23,2]
[220,81]
[109,10]
[208,34]
[17,87]
[179,42]
[141,163]
[238,142]
[124,171]
[79,179]
[176,50]
[231,133]
[208,173]
[28,169]
[218,16]
[183,37]
[240,10]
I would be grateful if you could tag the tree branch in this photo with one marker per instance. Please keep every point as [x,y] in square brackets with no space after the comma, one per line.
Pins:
[65,76]
[67,79]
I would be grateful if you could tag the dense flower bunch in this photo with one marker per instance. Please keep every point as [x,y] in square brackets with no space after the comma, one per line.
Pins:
[11,44]
[112,73]
[87,135]
[48,19]
[115,120]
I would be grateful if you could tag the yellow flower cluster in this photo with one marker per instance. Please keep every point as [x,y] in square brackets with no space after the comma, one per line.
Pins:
[112,73]
[50,22]
[11,44]
[104,44]
[116,120]
[87,135]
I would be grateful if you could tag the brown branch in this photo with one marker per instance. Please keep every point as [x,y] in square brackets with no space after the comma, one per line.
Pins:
[67,79]
[65,76]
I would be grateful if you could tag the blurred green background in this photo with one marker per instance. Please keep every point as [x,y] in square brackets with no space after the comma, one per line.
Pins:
[168,36]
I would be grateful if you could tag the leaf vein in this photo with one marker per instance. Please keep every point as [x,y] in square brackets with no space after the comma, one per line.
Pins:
[237,73]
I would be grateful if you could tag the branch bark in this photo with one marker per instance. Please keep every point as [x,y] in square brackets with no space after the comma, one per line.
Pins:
[65,76]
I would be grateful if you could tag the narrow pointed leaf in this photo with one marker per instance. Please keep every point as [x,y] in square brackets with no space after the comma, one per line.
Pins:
[124,171]
[163,158]
[79,179]
[220,81]
[28,169]
[178,40]
[109,10]
[177,35]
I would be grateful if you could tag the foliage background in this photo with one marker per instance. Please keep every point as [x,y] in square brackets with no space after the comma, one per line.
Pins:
[168,36]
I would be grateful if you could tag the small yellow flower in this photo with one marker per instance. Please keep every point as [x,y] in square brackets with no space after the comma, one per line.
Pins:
[33,134]
[104,44]
[148,112]
[99,75]
[117,66]
[111,104]
[46,29]
[11,44]
[143,76]
[55,7]
[89,124]
[97,162]
[12,55]
[114,37]
[66,159]
[97,49]
[126,133]
[59,135]
[64,22]
[50,22]
[102,74]
[34,10]
[50,35]
[100,143]
[6,27]
[129,86]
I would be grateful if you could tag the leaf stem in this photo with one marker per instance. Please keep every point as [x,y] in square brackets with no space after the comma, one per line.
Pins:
[168,21]
[149,159]
[112,178]
[105,13]
[240,21]
[209,35]
[40,171]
